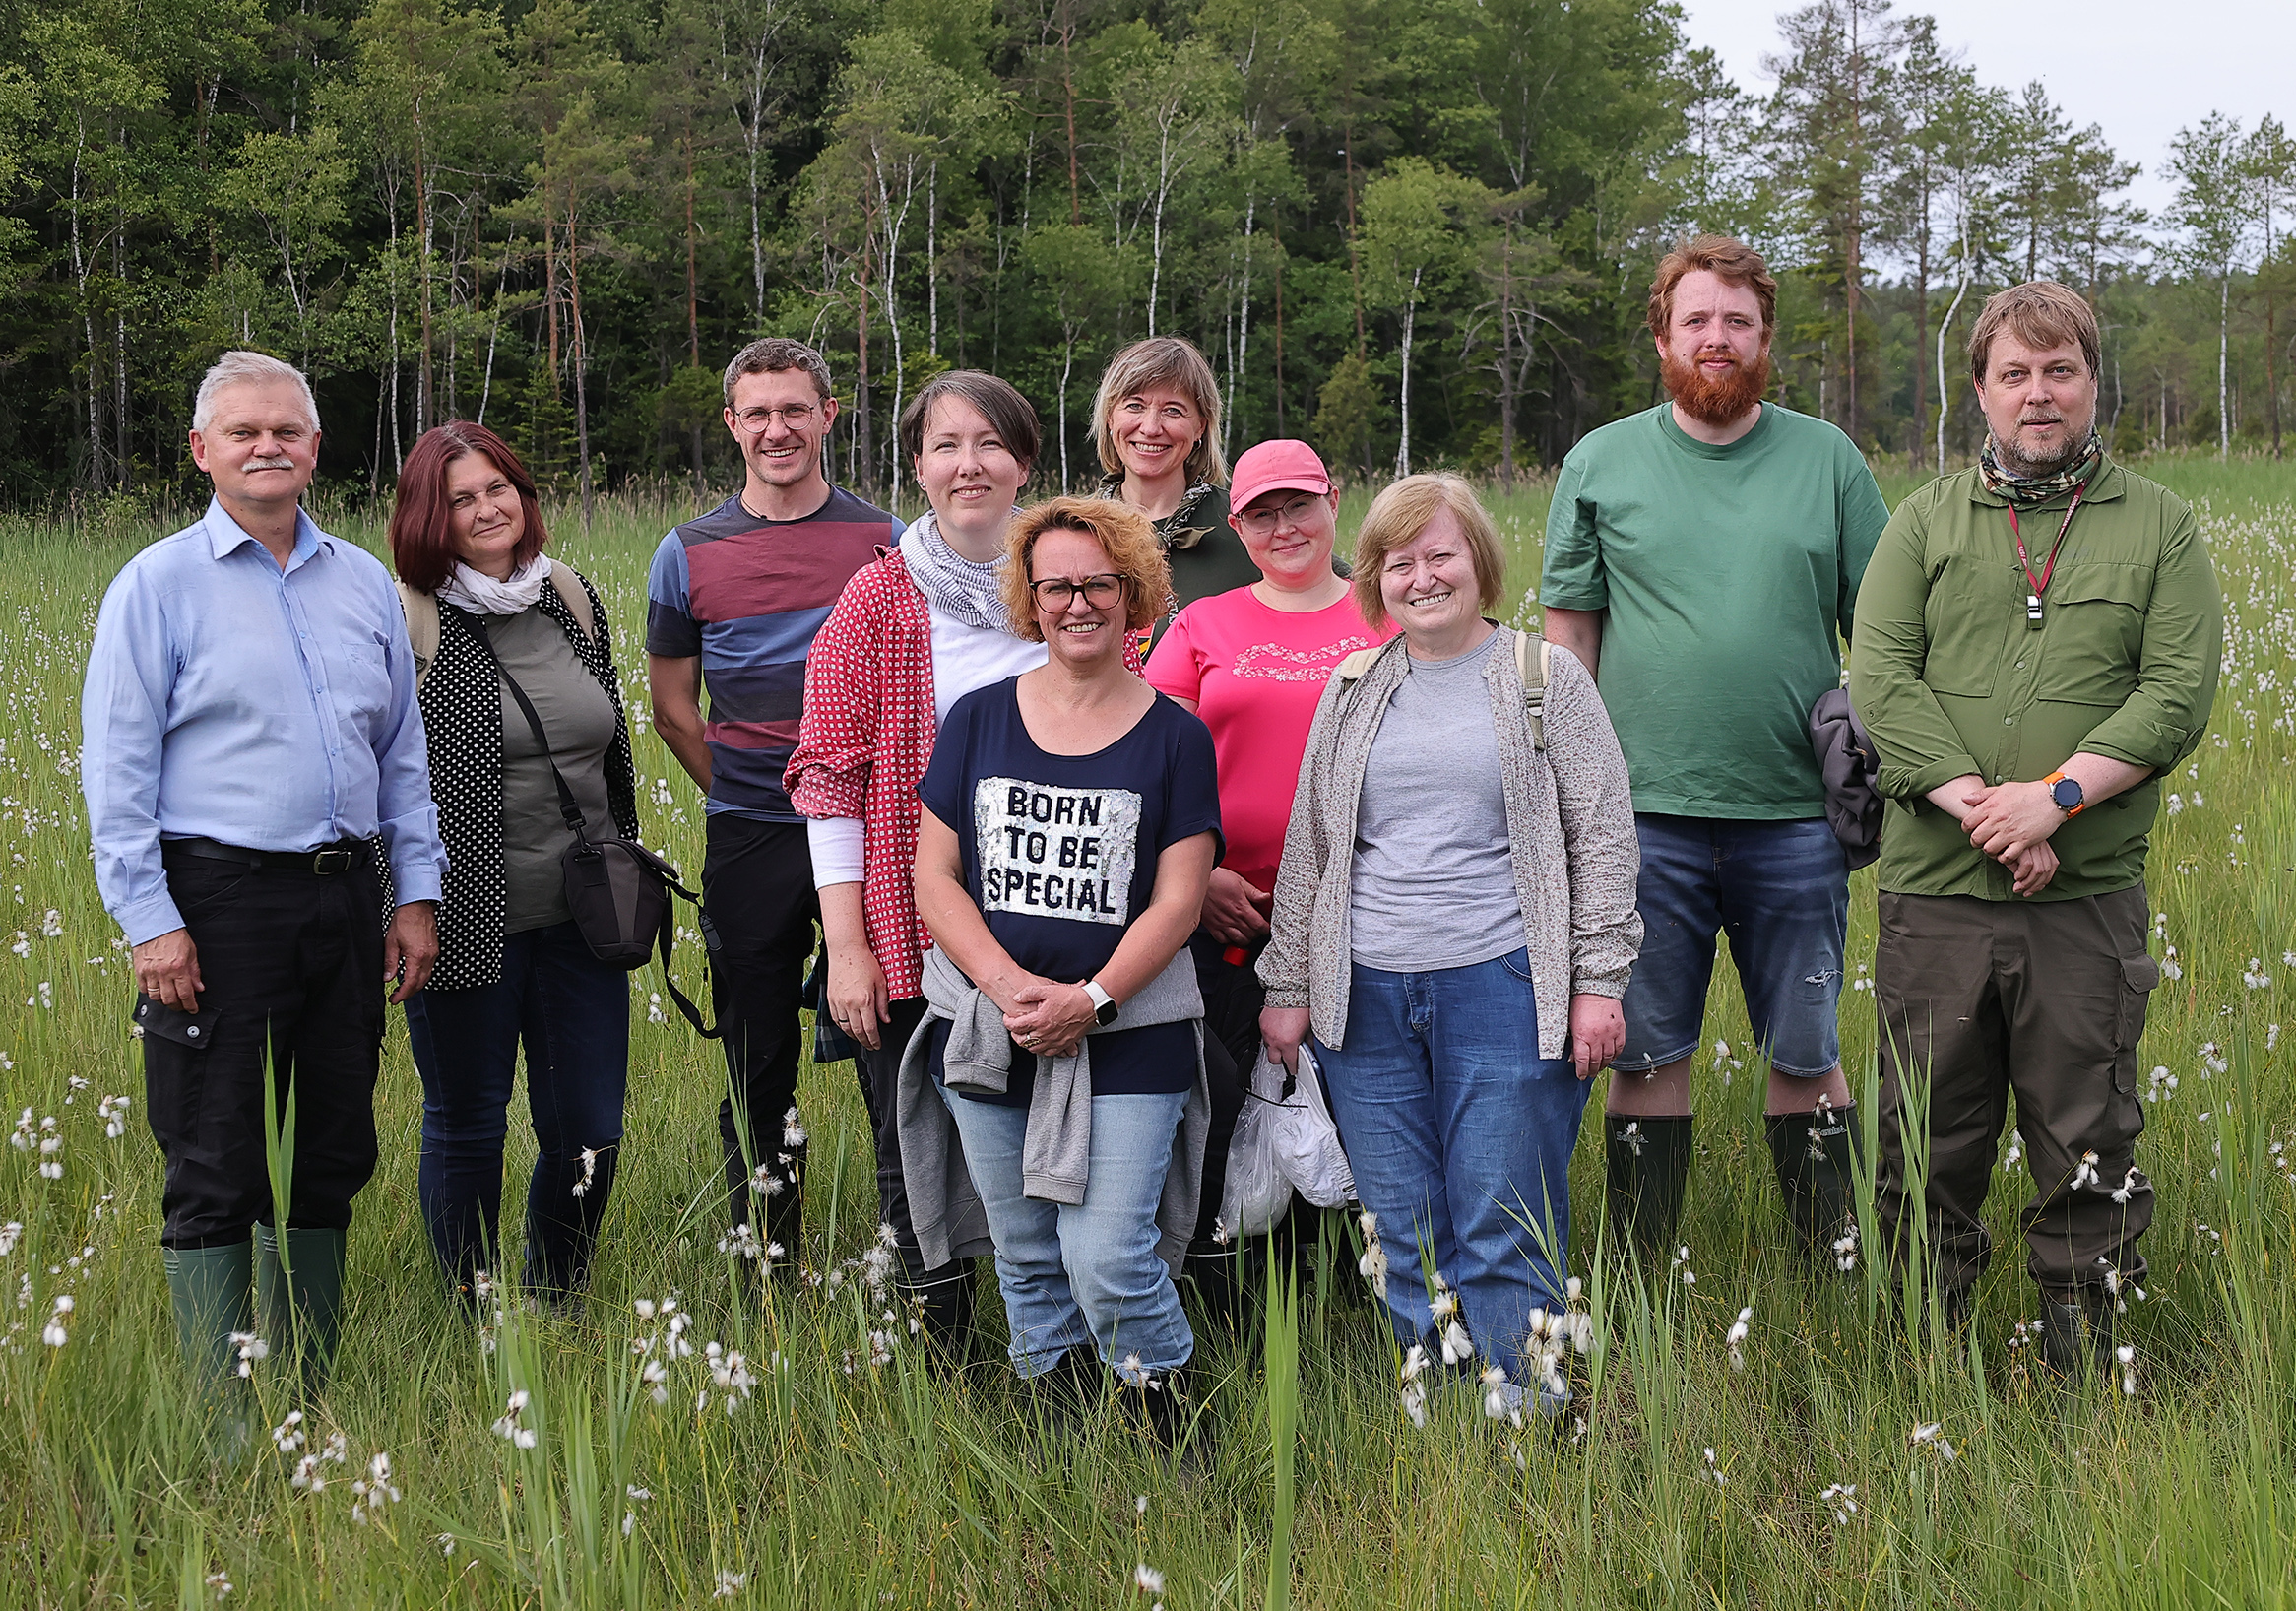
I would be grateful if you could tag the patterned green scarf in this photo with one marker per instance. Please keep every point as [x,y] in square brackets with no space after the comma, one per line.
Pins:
[2029,492]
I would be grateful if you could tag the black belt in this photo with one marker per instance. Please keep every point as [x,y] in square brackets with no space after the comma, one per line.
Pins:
[325,862]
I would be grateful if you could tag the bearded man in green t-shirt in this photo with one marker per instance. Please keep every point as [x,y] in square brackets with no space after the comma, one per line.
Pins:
[1702,557]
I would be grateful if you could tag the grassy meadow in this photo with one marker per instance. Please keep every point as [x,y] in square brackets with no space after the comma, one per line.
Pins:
[828,1466]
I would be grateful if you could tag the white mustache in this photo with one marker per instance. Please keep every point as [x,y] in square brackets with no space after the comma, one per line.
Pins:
[271,464]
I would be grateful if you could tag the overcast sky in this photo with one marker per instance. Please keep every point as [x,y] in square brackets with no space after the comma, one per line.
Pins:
[2141,69]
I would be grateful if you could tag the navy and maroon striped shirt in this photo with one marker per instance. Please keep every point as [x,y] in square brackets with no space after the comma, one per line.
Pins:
[747,595]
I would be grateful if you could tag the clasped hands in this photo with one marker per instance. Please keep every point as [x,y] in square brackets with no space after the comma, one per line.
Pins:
[2010,822]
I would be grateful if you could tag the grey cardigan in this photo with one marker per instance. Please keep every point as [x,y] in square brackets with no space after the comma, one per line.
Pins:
[1056,1152]
[1570,831]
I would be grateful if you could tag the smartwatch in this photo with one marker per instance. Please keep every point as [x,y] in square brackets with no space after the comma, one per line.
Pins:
[2067,792]
[1104,1005]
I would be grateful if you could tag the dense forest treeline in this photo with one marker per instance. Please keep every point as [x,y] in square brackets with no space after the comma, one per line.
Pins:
[1418,233]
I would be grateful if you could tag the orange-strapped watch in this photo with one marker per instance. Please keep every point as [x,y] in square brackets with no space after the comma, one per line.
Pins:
[2067,792]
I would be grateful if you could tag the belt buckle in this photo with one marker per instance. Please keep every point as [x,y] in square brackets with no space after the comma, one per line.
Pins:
[327,863]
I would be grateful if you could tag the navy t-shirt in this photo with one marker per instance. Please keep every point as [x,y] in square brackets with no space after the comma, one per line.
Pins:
[1060,854]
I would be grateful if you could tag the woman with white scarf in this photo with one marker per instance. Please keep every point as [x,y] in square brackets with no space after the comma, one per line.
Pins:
[484,602]
[910,635]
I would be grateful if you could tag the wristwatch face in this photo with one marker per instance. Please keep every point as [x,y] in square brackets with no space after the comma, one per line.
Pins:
[1104,1013]
[2067,792]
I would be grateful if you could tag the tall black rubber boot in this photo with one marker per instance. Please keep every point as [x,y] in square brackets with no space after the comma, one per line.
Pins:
[302,1310]
[1813,1155]
[2076,1335]
[942,1301]
[1648,1164]
[211,1290]
[1062,1400]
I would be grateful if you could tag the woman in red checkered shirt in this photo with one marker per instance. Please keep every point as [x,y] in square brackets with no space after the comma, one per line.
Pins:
[910,635]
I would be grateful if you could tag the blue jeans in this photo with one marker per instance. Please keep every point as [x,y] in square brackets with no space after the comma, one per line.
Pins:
[1460,1136]
[1084,1274]
[572,1013]
[1781,892]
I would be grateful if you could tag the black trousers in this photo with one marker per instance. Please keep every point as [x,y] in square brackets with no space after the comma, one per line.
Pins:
[2045,1000]
[292,968]
[757,884]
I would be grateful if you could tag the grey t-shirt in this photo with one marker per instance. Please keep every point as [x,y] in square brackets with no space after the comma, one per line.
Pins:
[579,718]
[1434,884]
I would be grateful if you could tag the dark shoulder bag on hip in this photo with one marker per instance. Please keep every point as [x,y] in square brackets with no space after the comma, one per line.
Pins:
[620,892]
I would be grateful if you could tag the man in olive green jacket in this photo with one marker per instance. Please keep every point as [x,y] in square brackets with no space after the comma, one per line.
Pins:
[2037,640]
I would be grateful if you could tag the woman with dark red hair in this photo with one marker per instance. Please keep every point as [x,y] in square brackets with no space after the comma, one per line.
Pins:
[487,609]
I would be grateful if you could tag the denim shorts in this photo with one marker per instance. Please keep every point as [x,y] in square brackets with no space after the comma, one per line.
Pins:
[1780,891]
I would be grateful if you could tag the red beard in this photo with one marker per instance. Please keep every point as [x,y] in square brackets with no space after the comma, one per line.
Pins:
[1711,401]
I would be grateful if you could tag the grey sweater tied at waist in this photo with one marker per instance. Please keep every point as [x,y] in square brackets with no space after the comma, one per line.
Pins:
[1056,1152]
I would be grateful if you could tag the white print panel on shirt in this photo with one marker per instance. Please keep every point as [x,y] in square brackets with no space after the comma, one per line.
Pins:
[1048,852]
[1278,662]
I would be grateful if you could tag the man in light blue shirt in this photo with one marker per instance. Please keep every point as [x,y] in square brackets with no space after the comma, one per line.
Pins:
[250,729]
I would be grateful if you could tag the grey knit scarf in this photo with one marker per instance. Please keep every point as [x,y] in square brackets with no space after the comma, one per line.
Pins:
[971,592]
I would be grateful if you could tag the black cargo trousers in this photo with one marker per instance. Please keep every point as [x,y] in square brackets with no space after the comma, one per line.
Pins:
[1980,999]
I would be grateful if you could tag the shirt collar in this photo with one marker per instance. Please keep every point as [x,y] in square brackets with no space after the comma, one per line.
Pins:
[227,537]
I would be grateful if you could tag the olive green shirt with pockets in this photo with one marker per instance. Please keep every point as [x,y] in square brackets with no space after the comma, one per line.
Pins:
[1951,678]
[1725,572]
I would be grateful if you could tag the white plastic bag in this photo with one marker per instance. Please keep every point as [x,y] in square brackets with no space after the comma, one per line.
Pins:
[1307,1141]
[1259,1193]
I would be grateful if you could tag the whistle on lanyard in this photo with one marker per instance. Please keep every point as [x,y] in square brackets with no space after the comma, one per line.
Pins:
[2032,609]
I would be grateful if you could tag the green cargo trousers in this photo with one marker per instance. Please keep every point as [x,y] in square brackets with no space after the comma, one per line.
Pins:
[1980,998]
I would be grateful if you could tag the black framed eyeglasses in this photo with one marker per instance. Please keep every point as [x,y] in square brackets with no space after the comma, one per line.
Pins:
[1055,593]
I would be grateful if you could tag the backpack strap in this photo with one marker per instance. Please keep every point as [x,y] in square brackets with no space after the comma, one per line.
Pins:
[575,597]
[1351,669]
[421,629]
[1534,670]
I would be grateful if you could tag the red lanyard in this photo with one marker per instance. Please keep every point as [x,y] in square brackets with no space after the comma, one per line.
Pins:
[2040,583]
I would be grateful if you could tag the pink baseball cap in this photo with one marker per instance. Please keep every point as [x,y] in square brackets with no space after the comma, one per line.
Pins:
[1282,465]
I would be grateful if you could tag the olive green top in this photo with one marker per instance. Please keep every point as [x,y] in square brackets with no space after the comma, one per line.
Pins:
[1952,678]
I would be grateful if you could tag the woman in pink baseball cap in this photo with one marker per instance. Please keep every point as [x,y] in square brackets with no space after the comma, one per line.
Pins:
[1252,662]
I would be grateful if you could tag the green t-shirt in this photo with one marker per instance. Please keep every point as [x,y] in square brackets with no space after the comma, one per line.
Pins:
[1729,574]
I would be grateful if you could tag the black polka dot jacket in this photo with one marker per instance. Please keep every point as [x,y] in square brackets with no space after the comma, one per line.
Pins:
[462,714]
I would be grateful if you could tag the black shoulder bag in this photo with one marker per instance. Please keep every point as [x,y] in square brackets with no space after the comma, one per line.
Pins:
[620,892]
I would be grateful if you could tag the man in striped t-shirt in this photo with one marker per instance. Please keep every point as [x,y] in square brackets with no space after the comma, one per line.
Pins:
[733,600]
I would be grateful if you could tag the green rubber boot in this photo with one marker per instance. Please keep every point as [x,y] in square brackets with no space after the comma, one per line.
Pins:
[1813,1157]
[307,1322]
[212,1295]
[1648,1163]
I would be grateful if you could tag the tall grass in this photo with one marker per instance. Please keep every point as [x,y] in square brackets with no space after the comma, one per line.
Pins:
[829,1467]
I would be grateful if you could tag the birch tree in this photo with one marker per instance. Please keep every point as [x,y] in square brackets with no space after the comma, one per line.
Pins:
[2213,211]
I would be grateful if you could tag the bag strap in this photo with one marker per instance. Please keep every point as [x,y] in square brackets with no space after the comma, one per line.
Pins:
[567,808]
[1351,669]
[575,597]
[421,629]
[1534,670]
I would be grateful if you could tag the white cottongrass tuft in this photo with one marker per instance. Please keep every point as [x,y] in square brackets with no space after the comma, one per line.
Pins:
[1841,1498]
[793,1130]
[1736,1340]
[2125,1357]
[729,1583]
[1712,1471]
[1414,1393]
[511,1426]
[2087,1172]
[53,1333]
[288,1435]
[252,1350]
[370,1493]
[1147,1580]
[1372,1266]
[589,1172]
[1931,1435]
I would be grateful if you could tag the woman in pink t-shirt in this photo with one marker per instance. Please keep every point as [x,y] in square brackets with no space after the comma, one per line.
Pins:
[1252,662]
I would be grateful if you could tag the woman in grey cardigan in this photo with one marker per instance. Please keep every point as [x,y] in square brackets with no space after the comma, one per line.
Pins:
[1454,920]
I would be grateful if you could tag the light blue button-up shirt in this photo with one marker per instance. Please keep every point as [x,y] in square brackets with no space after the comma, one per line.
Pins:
[273,710]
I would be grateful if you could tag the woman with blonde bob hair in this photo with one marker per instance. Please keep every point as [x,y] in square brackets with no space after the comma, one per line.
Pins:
[1070,823]
[1454,922]
[1156,421]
